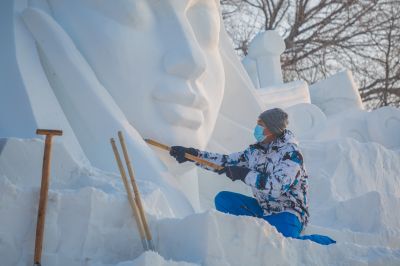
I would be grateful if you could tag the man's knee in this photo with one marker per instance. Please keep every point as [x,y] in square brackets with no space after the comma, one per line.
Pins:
[221,200]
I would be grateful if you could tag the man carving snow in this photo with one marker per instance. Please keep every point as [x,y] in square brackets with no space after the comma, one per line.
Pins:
[274,168]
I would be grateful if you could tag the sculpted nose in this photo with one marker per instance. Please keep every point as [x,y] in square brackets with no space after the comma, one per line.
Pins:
[185,58]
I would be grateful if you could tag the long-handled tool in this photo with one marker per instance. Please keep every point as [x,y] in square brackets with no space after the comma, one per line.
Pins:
[187,155]
[136,191]
[133,204]
[44,188]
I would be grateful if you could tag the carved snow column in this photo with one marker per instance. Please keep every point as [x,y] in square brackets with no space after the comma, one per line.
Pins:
[266,49]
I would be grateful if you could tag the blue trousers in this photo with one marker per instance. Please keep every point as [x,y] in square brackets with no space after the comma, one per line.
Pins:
[285,222]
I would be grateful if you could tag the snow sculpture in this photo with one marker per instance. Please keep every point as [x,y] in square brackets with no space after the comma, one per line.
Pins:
[264,68]
[352,125]
[285,95]
[266,49]
[143,77]
[381,126]
[110,72]
[251,67]
[22,110]
[384,126]
[306,120]
[139,77]
[336,94]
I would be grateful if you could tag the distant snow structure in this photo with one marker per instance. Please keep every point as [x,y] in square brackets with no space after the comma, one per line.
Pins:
[264,68]
[284,95]
[384,126]
[266,49]
[336,99]
[336,94]
[381,126]
[306,120]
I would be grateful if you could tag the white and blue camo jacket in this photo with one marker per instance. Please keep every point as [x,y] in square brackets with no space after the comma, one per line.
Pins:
[277,174]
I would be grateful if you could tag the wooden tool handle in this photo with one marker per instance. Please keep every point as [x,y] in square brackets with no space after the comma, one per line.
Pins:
[132,203]
[158,144]
[135,189]
[54,132]
[44,188]
[187,155]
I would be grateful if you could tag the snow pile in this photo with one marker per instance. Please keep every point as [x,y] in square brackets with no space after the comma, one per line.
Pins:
[214,238]
[88,217]
[154,259]
[354,190]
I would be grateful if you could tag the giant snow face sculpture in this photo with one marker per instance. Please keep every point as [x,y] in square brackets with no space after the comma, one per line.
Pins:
[159,60]
[150,68]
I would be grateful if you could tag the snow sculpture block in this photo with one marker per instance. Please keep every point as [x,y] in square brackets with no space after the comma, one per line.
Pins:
[265,50]
[264,69]
[305,120]
[284,95]
[352,124]
[384,126]
[251,67]
[381,126]
[336,94]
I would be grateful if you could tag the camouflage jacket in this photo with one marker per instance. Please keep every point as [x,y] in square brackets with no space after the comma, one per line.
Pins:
[277,174]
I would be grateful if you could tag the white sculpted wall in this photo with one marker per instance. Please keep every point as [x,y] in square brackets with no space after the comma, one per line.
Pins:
[162,70]
[381,126]
[336,94]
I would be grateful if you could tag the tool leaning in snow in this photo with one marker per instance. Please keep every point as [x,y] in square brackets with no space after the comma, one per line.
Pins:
[44,188]
[135,203]
[187,155]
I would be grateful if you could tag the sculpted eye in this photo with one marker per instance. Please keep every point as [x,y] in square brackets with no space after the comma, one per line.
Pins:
[205,21]
[133,14]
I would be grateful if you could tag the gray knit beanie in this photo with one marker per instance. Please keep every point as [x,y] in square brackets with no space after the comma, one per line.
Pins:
[275,119]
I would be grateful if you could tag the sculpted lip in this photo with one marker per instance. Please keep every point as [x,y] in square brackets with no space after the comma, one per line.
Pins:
[181,105]
[181,115]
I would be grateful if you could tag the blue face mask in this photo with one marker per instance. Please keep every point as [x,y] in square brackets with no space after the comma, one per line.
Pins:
[259,133]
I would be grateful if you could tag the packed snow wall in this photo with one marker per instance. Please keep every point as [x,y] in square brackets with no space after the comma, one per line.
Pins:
[78,66]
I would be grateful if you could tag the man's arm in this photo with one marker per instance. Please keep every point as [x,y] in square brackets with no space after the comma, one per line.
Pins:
[233,159]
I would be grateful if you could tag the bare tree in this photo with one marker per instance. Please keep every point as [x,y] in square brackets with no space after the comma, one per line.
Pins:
[324,36]
[378,66]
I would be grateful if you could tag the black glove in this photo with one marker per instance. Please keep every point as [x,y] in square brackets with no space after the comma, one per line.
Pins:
[235,172]
[178,152]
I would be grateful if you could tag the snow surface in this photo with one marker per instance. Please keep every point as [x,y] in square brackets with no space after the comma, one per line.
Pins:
[354,188]
[56,75]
